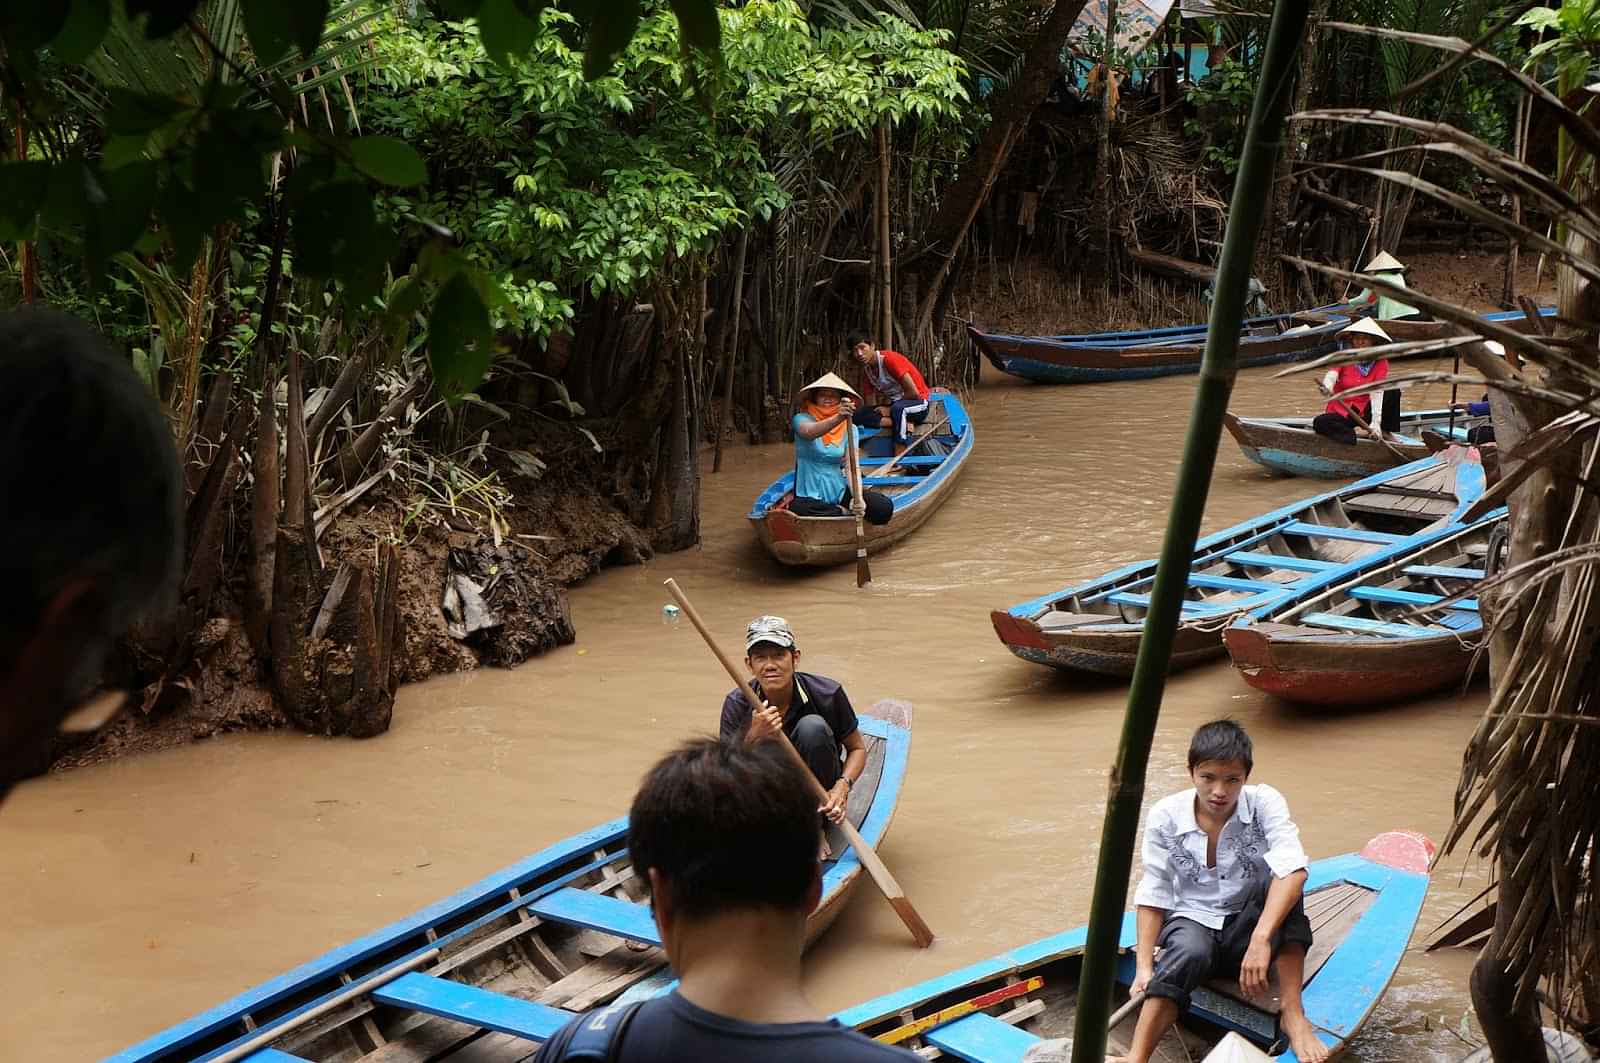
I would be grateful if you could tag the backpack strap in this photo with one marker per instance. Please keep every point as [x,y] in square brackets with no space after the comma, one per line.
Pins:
[599,1036]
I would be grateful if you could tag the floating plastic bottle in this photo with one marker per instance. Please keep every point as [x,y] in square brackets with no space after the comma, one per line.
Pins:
[670,614]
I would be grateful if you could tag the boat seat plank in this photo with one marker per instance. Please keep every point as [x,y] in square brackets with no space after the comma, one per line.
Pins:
[891,481]
[1346,905]
[1443,572]
[465,1003]
[272,1055]
[1231,583]
[1283,561]
[1353,535]
[1460,621]
[1367,627]
[596,911]
[920,461]
[1390,596]
[981,1038]
[1142,601]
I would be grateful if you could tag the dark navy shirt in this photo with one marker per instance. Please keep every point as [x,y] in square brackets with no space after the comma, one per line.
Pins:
[669,1029]
[812,694]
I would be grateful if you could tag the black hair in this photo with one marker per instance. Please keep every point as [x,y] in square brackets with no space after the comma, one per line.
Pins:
[731,825]
[1221,740]
[856,336]
[88,474]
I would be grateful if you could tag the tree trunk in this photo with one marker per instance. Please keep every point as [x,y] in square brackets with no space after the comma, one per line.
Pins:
[1102,258]
[885,264]
[1269,266]
[675,494]
[725,422]
[1011,110]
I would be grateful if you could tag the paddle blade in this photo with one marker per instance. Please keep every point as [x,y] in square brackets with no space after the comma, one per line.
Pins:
[921,933]
[863,570]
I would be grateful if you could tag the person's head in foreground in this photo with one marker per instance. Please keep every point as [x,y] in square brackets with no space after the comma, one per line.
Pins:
[1220,759]
[771,654]
[726,834]
[90,536]
[860,346]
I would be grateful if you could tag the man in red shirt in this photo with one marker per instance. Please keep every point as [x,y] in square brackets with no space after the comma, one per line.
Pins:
[897,383]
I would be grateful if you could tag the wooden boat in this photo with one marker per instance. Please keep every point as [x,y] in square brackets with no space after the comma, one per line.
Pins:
[1407,331]
[511,957]
[1248,569]
[921,483]
[1288,445]
[1154,352]
[1362,907]
[1363,641]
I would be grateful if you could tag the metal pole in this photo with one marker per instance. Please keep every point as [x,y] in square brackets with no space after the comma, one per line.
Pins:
[1251,192]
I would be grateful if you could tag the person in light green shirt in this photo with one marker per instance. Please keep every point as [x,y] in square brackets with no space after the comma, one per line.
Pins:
[1388,308]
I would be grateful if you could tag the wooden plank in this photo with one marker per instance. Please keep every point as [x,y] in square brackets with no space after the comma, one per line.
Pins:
[1369,627]
[956,1011]
[1230,583]
[272,1055]
[1292,564]
[1354,535]
[1390,596]
[1443,572]
[982,1038]
[609,915]
[465,1003]
[620,961]
[429,1040]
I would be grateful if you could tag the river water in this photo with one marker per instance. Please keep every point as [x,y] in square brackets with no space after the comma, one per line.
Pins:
[143,891]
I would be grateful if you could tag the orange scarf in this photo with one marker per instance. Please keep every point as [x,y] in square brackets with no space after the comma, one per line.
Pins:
[833,436]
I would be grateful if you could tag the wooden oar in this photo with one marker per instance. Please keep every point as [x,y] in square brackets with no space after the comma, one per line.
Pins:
[956,1011]
[865,853]
[858,507]
[915,443]
[1396,451]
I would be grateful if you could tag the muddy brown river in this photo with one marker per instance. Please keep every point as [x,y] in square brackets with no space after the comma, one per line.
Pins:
[143,891]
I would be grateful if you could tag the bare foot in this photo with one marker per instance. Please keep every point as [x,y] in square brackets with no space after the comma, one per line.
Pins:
[825,852]
[1308,1048]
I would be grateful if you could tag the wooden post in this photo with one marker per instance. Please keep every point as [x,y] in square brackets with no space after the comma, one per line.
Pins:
[885,335]
[1520,136]
[1217,372]
[733,349]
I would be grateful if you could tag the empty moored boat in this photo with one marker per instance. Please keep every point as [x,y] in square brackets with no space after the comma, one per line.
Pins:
[1362,906]
[508,960]
[1155,352]
[1395,630]
[921,483]
[1247,570]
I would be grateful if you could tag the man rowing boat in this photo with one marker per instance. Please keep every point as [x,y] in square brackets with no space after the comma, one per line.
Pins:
[813,710]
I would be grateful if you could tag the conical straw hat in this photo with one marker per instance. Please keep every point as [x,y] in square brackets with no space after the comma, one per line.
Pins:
[1384,263]
[1367,327]
[1235,1049]
[831,380]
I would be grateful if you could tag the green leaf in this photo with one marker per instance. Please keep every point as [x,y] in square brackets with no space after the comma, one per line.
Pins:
[23,187]
[699,25]
[460,341]
[394,162]
[271,33]
[612,25]
[85,26]
[166,16]
[507,28]
[1543,18]
[138,113]
[118,222]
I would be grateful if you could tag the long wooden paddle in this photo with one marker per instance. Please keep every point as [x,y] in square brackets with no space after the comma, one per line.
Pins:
[865,853]
[922,438]
[1396,451]
[858,507]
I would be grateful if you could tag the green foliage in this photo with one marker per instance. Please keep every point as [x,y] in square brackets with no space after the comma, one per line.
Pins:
[1573,36]
[556,185]
[1223,99]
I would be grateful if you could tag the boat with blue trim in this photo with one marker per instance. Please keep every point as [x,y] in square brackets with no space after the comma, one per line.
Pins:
[923,479]
[1386,632]
[1138,355]
[1249,569]
[1288,445]
[1362,906]
[488,972]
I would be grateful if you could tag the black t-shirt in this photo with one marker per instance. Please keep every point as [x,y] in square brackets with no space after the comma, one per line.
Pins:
[812,694]
[669,1029]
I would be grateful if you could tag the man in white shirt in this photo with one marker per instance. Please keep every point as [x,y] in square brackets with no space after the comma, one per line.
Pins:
[1222,894]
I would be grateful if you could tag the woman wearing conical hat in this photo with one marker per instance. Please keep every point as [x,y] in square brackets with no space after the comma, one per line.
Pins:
[1337,422]
[1387,268]
[821,436]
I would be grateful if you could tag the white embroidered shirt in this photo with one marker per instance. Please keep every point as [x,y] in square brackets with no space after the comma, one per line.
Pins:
[1259,839]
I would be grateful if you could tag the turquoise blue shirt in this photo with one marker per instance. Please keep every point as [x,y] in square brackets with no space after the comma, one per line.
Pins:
[817,466]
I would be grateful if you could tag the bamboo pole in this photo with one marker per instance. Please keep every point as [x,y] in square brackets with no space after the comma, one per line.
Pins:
[1251,193]
[885,263]
[733,348]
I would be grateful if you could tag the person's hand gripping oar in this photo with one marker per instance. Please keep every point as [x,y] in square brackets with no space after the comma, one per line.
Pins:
[865,853]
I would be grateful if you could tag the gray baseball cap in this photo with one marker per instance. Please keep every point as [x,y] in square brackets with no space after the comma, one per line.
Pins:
[773,629]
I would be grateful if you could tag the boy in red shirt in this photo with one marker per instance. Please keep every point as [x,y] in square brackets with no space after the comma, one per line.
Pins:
[897,383]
